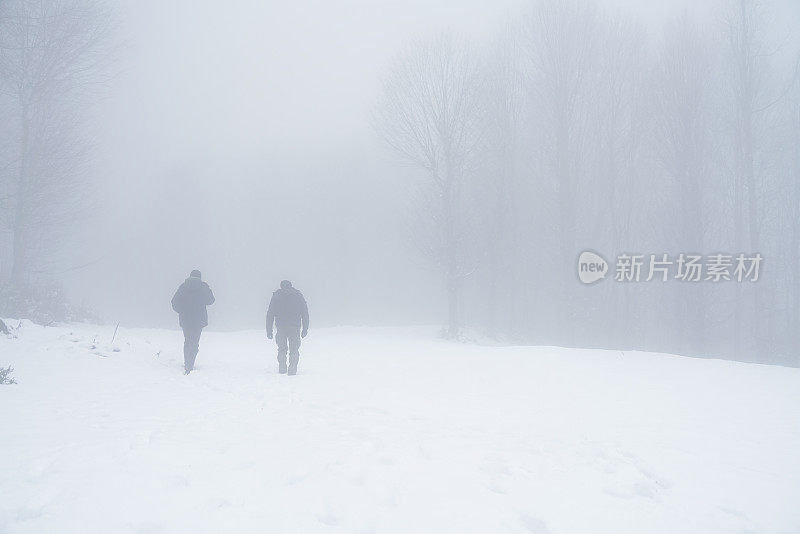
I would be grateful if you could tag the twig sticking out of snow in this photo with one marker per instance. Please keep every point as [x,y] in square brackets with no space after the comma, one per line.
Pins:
[115,334]
[5,375]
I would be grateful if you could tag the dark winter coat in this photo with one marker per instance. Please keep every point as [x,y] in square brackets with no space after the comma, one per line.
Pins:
[190,302]
[287,308]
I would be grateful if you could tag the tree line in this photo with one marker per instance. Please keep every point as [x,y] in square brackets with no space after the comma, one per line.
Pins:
[575,129]
[54,56]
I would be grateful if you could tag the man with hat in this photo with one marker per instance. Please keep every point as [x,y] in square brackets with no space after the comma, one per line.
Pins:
[190,302]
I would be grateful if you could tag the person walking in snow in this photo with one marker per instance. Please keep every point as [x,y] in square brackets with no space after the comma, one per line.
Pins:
[289,311]
[190,302]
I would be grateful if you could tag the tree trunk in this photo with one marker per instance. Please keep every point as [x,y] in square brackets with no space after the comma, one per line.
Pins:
[566,199]
[18,266]
[453,326]
[748,205]
[451,252]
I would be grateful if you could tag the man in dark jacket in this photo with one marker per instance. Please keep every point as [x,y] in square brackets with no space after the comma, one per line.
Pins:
[190,302]
[289,311]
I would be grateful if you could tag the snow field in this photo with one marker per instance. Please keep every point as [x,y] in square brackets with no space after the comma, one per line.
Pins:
[388,430]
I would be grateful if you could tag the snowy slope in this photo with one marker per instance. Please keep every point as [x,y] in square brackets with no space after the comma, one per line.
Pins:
[389,431]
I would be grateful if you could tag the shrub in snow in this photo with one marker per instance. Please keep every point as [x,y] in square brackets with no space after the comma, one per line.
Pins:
[41,304]
[5,375]
[9,330]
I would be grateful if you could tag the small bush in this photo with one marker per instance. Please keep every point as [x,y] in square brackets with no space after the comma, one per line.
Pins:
[42,305]
[5,375]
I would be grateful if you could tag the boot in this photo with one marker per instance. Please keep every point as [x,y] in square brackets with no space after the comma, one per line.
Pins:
[292,369]
[282,368]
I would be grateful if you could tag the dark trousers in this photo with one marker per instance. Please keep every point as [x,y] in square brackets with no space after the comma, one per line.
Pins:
[288,340]
[191,345]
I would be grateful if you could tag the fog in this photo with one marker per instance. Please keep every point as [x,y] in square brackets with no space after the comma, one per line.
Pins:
[246,140]
[240,142]
[400,266]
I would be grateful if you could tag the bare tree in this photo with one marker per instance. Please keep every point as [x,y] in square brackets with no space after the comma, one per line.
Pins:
[593,140]
[50,55]
[562,43]
[750,102]
[429,114]
[747,55]
[615,145]
[503,97]
[684,119]
[793,215]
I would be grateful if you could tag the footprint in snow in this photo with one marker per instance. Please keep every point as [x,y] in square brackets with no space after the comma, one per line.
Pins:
[644,489]
[37,506]
[177,480]
[495,487]
[641,488]
[534,524]
[734,512]
[296,478]
[328,519]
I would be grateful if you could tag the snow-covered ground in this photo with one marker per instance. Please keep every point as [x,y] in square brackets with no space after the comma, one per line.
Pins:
[388,430]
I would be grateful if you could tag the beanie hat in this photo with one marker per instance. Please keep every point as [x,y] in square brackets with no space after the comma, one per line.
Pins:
[286,284]
[195,274]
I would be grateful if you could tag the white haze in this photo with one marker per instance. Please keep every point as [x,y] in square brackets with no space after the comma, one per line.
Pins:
[261,113]
[236,138]
[426,173]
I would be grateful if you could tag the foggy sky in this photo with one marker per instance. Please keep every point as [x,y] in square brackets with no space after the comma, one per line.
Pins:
[236,139]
